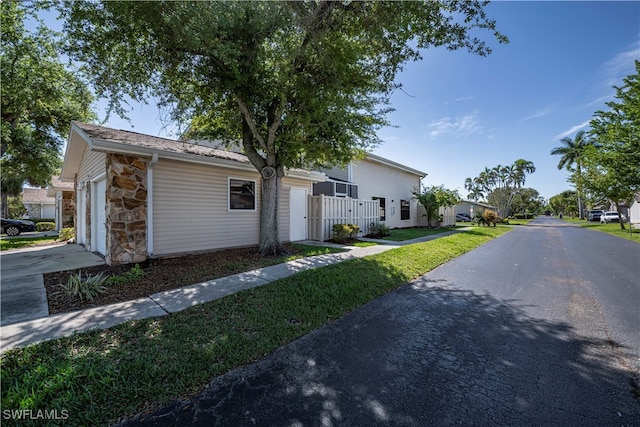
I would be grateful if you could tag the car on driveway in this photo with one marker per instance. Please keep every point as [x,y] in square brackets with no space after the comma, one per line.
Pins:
[13,227]
[611,216]
[463,217]
[594,215]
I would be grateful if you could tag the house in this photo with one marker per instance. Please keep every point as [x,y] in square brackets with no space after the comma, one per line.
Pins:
[38,203]
[471,208]
[63,195]
[139,196]
[380,179]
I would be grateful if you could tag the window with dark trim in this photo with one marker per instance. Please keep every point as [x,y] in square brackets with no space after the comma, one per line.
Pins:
[405,209]
[383,211]
[242,194]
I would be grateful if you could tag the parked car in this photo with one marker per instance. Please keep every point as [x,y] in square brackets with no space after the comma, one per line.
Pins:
[13,227]
[463,217]
[594,215]
[611,216]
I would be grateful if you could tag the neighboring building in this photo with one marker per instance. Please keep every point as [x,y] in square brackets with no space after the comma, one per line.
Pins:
[376,178]
[65,206]
[470,207]
[38,204]
[139,196]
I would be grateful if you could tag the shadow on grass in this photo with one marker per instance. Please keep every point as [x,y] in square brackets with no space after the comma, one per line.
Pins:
[423,355]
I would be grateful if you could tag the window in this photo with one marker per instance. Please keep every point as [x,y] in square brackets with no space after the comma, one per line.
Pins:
[242,194]
[383,212]
[405,209]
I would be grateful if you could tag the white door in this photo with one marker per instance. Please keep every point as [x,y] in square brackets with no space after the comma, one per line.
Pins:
[297,214]
[81,219]
[99,218]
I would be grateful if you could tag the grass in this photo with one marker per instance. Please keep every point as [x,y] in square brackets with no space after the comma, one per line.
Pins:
[401,234]
[519,221]
[140,365]
[612,228]
[23,242]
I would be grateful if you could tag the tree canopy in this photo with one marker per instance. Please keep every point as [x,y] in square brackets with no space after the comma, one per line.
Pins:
[40,96]
[435,197]
[572,152]
[501,184]
[299,82]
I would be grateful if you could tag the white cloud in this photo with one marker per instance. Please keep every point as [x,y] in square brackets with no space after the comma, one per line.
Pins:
[572,130]
[464,98]
[458,126]
[621,65]
[537,114]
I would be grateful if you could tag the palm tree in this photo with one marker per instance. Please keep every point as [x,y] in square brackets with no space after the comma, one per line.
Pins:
[571,153]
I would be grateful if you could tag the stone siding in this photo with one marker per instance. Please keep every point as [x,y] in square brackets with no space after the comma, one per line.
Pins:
[126,206]
[68,208]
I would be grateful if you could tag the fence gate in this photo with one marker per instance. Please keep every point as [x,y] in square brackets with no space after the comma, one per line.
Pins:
[325,211]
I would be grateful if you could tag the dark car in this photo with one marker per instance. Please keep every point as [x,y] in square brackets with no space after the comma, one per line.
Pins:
[463,217]
[13,227]
[594,215]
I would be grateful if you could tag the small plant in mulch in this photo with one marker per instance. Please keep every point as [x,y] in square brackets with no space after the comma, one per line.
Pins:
[84,289]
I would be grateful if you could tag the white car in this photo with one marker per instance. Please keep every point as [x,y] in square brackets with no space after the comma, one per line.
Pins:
[611,216]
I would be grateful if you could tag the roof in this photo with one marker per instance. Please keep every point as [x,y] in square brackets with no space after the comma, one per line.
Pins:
[58,185]
[104,139]
[36,195]
[381,160]
[484,205]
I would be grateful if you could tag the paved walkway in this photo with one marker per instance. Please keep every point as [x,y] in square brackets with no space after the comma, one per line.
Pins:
[163,303]
[22,294]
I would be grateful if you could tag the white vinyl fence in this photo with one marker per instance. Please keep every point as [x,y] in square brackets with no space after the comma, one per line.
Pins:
[448,217]
[325,211]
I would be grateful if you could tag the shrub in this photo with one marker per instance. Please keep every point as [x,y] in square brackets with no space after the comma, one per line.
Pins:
[67,233]
[126,277]
[378,229]
[490,217]
[86,289]
[342,232]
[45,226]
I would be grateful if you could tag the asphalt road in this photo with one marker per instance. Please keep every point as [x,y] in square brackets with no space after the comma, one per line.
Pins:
[539,327]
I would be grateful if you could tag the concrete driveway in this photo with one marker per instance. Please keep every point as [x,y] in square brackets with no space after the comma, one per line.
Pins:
[22,293]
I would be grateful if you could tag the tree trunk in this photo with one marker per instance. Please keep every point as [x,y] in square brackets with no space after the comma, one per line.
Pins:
[269,238]
[620,216]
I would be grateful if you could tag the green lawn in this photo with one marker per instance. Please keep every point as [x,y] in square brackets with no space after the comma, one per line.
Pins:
[519,221]
[23,242]
[401,234]
[610,228]
[102,375]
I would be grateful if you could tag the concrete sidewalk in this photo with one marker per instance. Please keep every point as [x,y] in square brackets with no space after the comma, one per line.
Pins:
[163,303]
[23,296]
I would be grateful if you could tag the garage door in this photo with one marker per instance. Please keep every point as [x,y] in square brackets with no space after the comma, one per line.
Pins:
[99,217]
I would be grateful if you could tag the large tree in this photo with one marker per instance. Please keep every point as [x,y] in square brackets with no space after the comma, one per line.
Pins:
[614,168]
[298,82]
[502,183]
[572,153]
[40,96]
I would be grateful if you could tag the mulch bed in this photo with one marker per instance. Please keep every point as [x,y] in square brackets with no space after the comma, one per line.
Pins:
[160,275]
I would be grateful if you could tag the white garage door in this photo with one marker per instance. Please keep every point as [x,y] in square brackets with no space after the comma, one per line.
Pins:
[99,217]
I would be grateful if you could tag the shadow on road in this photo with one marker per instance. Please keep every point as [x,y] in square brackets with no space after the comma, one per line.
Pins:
[424,355]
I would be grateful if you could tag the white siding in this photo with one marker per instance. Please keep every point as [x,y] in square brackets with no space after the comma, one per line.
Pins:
[190,208]
[375,180]
[93,165]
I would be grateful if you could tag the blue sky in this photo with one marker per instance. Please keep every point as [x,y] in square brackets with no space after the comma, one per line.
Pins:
[459,113]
